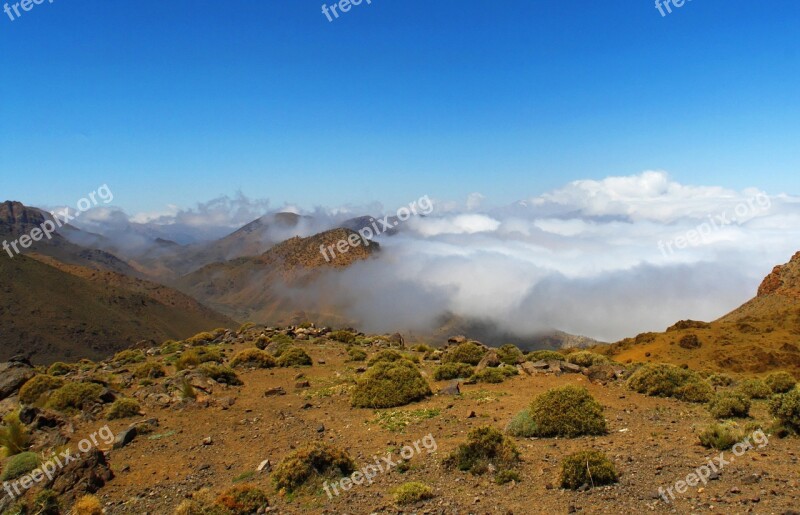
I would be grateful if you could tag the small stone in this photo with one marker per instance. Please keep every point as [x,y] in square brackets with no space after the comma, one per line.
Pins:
[207,440]
[265,466]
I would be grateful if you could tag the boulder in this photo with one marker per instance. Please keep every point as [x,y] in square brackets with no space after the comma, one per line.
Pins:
[489,360]
[13,375]
[457,339]
[451,389]
[85,475]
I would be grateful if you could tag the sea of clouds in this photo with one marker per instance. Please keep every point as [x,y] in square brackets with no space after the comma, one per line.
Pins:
[584,258]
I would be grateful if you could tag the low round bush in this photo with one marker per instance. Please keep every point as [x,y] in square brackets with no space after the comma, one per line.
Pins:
[699,391]
[19,465]
[60,368]
[489,375]
[294,357]
[342,336]
[780,382]
[127,357]
[356,354]
[467,352]
[310,463]
[149,370]
[88,505]
[385,356]
[453,371]
[390,384]
[661,379]
[123,408]
[755,389]
[569,411]
[38,385]
[198,355]
[587,359]
[485,446]
[729,405]
[75,397]
[413,492]
[720,380]
[720,436]
[545,355]
[243,500]
[591,468]
[786,408]
[253,358]
[220,374]
[522,425]
[510,354]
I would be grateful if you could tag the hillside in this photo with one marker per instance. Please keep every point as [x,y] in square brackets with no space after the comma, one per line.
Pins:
[53,311]
[761,335]
[258,288]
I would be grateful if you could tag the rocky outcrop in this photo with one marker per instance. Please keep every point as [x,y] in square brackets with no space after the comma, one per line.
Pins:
[13,375]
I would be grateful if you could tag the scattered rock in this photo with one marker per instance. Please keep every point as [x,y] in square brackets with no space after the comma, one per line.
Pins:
[125,437]
[451,389]
[13,375]
[273,392]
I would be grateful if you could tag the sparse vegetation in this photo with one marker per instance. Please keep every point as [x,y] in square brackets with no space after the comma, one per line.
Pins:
[390,384]
[697,391]
[385,356]
[467,352]
[786,408]
[149,370]
[569,411]
[356,354]
[729,405]
[661,380]
[309,463]
[510,354]
[220,374]
[342,336]
[453,371]
[19,465]
[586,359]
[46,503]
[780,382]
[720,380]
[485,446]
[412,492]
[60,368]
[243,500]
[123,408]
[590,468]
[88,505]
[75,397]
[294,357]
[253,358]
[37,386]
[489,375]
[754,389]
[128,357]
[720,436]
[14,437]
[522,425]
[196,356]
[545,355]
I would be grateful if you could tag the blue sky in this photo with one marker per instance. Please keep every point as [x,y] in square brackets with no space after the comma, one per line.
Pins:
[178,102]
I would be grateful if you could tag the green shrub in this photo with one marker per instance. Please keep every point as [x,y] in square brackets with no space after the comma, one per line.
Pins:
[720,380]
[220,374]
[522,425]
[545,355]
[586,359]
[253,358]
[88,505]
[467,352]
[243,500]
[170,347]
[128,357]
[755,389]
[19,465]
[74,397]
[205,337]
[506,476]
[569,411]
[60,368]
[314,461]
[786,408]
[510,354]
[390,384]
[720,436]
[38,385]
[294,357]
[729,405]
[424,348]
[591,468]
[411,493]
[780,382]
[198,355]
[123,408]
[661,379]
[149,370]
[508,370]
[46,503]
[356,354]
[485,446]
[699,391]
[14,437]
[385,356]
[489,375]
[342,336]
[453,371]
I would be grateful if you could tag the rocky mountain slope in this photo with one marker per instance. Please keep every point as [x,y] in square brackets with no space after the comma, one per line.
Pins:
[761,335]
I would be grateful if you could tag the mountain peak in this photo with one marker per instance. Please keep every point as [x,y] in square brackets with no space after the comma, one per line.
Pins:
[783,280]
